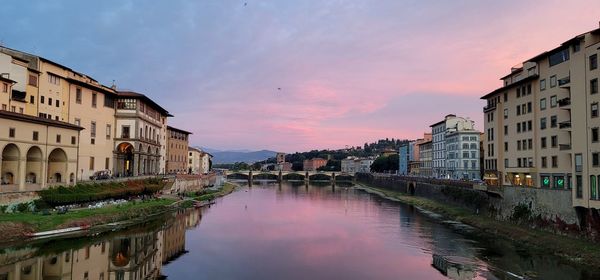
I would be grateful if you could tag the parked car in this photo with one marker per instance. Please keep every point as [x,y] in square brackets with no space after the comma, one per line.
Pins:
[101,175]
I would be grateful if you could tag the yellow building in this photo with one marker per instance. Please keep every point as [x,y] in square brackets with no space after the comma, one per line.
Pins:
[177,150]
[542,126]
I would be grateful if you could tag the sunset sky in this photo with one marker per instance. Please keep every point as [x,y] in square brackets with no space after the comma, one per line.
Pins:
[298,75]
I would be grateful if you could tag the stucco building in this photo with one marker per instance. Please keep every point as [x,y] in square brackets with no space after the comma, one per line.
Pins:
[438,131]
[139,138]
[36,152]
[313,164]
[542,125]
[426,159]
[462,154]
[177,150]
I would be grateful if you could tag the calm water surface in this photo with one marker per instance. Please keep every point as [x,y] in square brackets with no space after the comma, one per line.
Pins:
[287,231]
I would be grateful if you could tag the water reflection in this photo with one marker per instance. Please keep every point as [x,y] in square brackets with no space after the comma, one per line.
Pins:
[292,230]
[137,253]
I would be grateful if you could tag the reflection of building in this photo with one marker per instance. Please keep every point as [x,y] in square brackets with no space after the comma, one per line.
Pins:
[141,135]
[177,150]
[36,152]
[314,164]
[174,237]
[135,256]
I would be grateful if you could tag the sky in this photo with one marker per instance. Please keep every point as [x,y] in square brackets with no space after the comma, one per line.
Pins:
[303,74]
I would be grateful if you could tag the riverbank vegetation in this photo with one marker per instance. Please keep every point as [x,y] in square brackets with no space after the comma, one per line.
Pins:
[573,249]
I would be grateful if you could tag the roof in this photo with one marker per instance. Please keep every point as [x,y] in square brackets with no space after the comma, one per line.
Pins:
[425,143]
[504,88]
[38,120]
[100,88]
[7,80]
[145,98]
[178,130]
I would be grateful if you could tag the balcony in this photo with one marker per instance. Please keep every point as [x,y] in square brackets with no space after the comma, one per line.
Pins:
[565,125]
[564,147]
[565,82]
[18,95]
[489,107]
[564,103]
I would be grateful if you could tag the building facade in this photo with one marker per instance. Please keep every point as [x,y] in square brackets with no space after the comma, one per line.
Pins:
[462,155]
[194,160]
[438,131]
[313,164]
[177,150]
[542,124]
[426,159]
[138,139]
[405,155]
[36,152]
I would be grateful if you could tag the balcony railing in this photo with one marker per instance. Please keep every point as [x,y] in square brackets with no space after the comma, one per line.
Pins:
[564,81]
[564,147]
[489,107]
[565,124]
[564,102]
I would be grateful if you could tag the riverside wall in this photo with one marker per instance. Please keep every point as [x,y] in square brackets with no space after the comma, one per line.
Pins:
[547,209]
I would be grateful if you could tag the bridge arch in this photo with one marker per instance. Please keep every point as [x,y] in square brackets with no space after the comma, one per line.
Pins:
[319,177]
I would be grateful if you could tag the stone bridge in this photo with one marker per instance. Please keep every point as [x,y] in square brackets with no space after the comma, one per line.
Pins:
[251,175]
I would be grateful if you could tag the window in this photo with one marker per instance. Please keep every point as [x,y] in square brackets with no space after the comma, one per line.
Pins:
[594,110]
[593,62]
[576,47]
[543,104]
[32,99]
[11,132]
[505,97]
[33,80]
[552,81]
[94,99]
[595,134]
[553,101]
[529,107]
[53,79]
[93,129]
[106,165]
[529,125]
[543,84]
[554,141]
[528,89]
[519,145]
[518,110]
[545,180]
[91,163]
[578,163]
[57,138]
[125,132]
[543,123]
[543,142]
[579,186]
[544,162]
[36,136]
[126,104]
[73,140]
[593,188]
[595,159]
[594,86]
[57,103]
[554,161]
[506,146]
[78,95]
[50,101]
[530,143]
[4,87]
[553,121]
[108,131]
[558,57]
[77,122]
[506,130]
[518,127]
[505,113]
[42,99]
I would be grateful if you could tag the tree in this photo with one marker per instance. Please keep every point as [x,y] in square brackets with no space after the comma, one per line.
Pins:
[386,163]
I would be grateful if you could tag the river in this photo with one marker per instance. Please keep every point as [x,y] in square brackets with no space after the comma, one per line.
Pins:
[288,231]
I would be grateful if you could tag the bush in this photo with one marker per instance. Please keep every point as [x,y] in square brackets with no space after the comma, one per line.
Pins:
[89,192]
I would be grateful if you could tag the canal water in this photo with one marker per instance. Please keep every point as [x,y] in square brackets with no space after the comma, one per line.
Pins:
[288,231]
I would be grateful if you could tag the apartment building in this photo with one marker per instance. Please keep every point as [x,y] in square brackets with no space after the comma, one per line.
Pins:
[139,140]
[21,68]
[206,162]
[405,155]
[542,125]
[462,154]
[194,160]
[313,164]
[352,165]
[415,164]
[426,159]
[177,150]
[438,131]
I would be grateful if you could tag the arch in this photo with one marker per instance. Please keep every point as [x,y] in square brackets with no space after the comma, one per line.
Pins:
[264,176]
[125,161]
[71,178]
[319,177]
[10,165]
[33,167]
[411,188]
[57,165]
[293,176]
[237,176]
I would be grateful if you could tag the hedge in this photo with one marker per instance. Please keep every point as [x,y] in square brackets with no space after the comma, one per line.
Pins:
[89,192]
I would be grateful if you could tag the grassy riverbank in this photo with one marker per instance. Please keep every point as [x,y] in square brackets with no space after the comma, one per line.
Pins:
[575,250]
[205,195]
[16,225]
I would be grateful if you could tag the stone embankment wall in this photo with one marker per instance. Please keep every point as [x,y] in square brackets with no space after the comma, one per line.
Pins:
[547,209]
[17,197]
[192,183]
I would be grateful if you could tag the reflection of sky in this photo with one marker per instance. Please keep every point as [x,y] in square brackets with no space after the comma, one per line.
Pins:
[349,71]
[319,234]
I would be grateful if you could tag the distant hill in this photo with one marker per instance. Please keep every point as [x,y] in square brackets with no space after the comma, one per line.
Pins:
[239,155]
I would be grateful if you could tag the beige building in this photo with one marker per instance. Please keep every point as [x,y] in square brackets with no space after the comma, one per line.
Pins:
[139,140]
[194,160]
[542,125]
[426,159]
[177,150]
[36,152]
